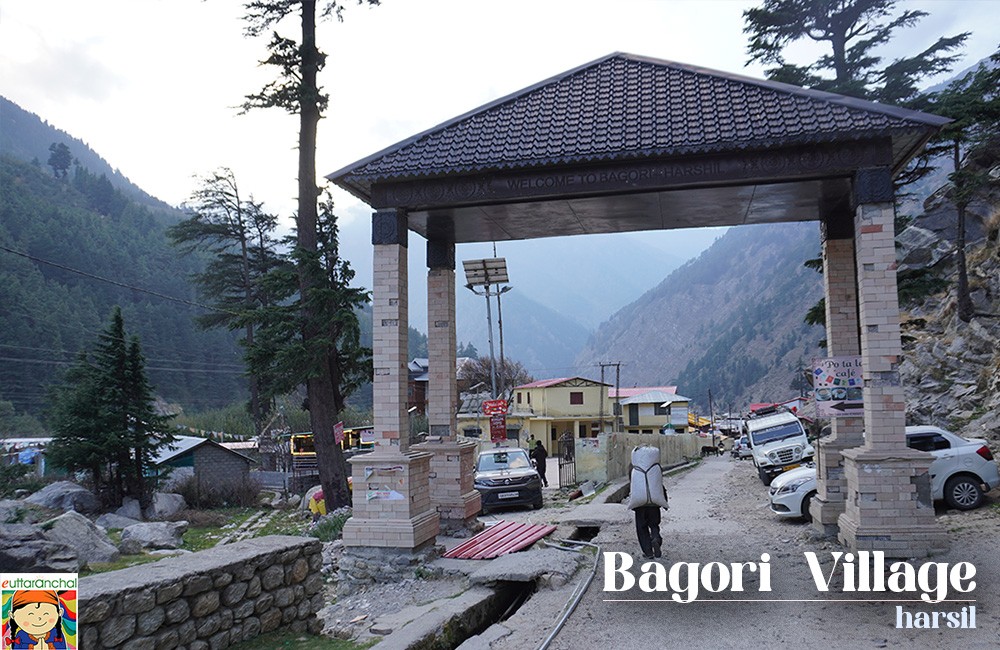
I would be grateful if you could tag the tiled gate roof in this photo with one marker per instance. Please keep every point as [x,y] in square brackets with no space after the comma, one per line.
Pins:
[624,107]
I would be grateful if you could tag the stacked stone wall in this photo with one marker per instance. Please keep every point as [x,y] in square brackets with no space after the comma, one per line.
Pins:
[207,600]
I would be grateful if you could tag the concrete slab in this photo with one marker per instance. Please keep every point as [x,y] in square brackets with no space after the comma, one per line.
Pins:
[526,566]
[437,620]
[595,515]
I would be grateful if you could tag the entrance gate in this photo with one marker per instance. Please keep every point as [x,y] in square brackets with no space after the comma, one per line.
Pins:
[567,460]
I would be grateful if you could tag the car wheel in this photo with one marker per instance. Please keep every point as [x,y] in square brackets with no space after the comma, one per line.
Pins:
[963,493]
[537,505]
[765,478]
[806,503]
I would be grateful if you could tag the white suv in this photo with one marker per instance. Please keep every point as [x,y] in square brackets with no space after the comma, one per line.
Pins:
[778,442]
[962,471]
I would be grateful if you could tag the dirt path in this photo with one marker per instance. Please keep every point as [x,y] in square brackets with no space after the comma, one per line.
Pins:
[719,513]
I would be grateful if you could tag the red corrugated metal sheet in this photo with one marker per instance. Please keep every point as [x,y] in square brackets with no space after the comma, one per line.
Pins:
[505,537]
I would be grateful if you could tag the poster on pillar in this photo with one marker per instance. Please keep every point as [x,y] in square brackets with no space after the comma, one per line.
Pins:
[837,384]
[498,427]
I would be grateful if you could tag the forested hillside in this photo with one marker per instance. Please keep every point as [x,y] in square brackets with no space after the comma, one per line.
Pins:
[730,321]
[50,313]
[25,136]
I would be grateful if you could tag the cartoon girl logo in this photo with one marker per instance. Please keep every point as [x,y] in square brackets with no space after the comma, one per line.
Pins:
[35,620]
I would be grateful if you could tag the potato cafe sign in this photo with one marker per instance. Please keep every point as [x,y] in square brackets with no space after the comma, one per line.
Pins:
[837,384]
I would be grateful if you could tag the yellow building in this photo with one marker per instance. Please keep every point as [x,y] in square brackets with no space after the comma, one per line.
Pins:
[569,406]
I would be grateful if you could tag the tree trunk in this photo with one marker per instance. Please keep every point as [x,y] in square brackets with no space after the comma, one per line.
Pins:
[964,300]
[319,389]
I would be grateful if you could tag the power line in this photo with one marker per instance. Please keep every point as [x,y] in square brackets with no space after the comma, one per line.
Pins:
[118,284]
[155,359]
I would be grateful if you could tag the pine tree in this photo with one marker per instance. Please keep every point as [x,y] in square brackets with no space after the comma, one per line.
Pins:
[297,91]
[240,237]
[104,419]
[853,30]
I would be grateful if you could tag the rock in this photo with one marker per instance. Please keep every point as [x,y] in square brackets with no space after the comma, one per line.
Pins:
[130,508]
[165,504]
[65,495]
[156,534]
[169,552]
[23,549]
[111,521]
[11,512]
[79,533]
[294,501]
[130,547]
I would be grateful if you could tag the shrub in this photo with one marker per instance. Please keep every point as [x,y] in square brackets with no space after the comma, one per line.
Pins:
[330,526]
[243,493]
[19,477]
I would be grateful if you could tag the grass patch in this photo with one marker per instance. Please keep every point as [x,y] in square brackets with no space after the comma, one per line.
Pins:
[123,562]
[209,526]
[292,641]
[286,522]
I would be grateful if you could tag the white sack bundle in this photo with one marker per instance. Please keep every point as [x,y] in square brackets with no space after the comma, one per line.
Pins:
[646,479]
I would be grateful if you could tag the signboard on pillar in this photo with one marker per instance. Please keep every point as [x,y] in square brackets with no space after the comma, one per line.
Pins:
[494,406]
[837,384]
[498,427]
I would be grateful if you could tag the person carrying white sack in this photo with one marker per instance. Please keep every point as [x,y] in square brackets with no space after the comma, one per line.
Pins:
[646,498]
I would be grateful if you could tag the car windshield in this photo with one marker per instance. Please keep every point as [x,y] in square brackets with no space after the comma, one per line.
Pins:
[778,432]
[512,459]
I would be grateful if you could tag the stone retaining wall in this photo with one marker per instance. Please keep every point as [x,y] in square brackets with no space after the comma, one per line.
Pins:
[207,600]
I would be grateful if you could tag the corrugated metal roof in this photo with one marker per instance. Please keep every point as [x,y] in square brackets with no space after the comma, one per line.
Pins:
[623,107]
[501,539]
[655,396]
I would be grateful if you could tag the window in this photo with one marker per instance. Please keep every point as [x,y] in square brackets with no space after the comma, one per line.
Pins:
[529,398]
[927,442]
[576,397]
[659,409]
[519,398]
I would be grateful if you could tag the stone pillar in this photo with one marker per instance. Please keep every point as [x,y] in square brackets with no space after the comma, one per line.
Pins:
[452,470]
[842,339]
[392,506]
[888,505]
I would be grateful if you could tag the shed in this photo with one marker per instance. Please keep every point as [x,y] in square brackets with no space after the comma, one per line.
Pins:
[208,461]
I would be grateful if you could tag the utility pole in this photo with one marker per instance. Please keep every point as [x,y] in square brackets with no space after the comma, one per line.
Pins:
[600,412]
[615,428]
[711,413]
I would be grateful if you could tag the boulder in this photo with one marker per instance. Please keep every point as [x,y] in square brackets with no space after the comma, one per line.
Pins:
[130,547]
[110,521]
[65,495]
[11,512]
[79,533]
[23,549]
[165,505]
[159,534]
[130,508]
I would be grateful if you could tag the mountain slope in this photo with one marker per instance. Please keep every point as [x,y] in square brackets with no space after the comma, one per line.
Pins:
[25,136]
[729,321]
[49,313]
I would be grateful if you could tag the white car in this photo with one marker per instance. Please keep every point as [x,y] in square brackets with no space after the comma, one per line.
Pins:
[962,471]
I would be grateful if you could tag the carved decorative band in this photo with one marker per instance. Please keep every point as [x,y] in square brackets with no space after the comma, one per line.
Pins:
[873,185]
[440,254]
[389,227]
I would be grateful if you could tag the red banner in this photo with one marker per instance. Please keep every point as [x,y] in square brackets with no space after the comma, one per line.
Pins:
[498,427]
[495,406]
[338,432]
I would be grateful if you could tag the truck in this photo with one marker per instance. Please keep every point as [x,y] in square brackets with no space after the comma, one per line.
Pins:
[778,442]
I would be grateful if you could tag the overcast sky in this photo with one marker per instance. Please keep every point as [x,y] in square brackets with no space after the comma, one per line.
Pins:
[151,85]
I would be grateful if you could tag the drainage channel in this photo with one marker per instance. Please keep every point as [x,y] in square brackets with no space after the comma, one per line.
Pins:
[475,611]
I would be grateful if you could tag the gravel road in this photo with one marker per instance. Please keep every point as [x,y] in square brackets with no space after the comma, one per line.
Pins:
[719,513]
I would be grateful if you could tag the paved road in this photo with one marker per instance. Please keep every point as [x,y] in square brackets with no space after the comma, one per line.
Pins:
[719,514]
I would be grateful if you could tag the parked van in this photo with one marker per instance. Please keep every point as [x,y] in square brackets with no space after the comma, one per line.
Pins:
[778,442]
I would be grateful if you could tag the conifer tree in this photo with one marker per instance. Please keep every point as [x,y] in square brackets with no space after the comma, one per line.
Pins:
[240,237]
[104,419]
[297,91]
